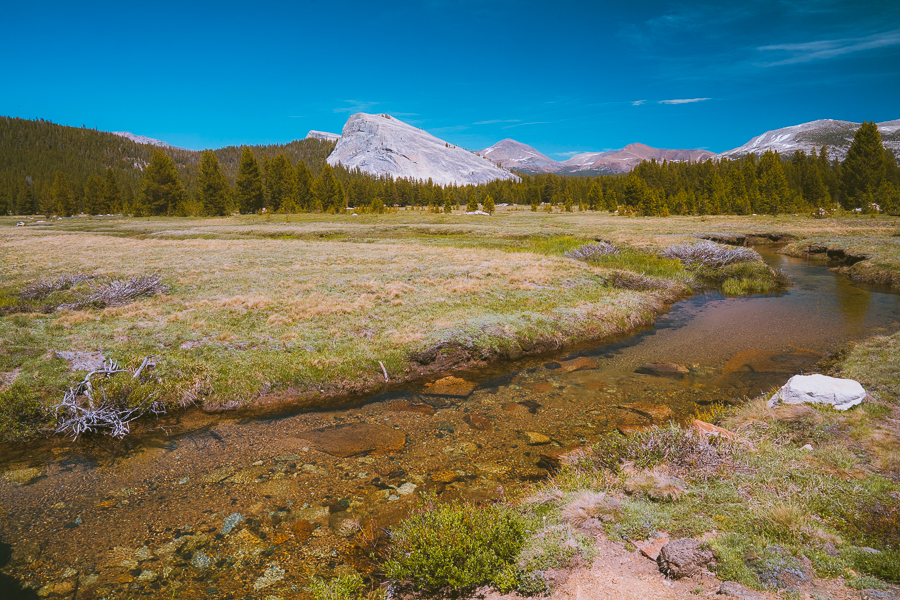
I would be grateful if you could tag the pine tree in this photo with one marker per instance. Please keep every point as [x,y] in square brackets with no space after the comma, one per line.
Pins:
[162,190]
[93,196]
[111,199]
[610,200]
[488,204]
[773,188]
[715,193]
[472,205]
[448,204]
[595,197]
[213,191]
[330,191]
[248,192]
[303,187]
[863,170]
[61,200]
[280,184]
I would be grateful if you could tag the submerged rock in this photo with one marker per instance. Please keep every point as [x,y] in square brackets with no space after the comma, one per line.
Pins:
[577,364]
[820,389]
[663,370]
[355,439]
[451,386]
[533,438]
[478,422]
[22,476]
[231,522]
[658,413]
[412,407]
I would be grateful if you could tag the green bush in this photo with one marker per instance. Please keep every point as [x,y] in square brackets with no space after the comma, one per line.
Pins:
[20,412]
[883,565]
[455,546]
[345,587]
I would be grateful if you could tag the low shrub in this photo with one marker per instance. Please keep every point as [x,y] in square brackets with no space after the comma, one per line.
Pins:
[455,546]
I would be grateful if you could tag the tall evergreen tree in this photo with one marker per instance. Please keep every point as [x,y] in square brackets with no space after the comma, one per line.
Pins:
[331,192]
[595,197]
[161,189]
[62,201]
[213,191]
[773,187]
[864,168]
[280,182]
[93,195]
[303,188]
[111,198]
[248,189]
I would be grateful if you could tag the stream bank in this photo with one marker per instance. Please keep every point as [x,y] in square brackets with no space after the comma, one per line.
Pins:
[155,513]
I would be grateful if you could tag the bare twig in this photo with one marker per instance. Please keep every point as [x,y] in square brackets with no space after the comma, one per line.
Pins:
[119,291]
[591,251]
[383,370]
[709,254]
[82,411]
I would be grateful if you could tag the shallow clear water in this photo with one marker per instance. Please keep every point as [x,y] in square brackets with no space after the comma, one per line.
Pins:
[120,514]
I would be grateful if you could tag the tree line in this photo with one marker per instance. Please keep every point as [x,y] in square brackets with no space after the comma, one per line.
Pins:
[295,178]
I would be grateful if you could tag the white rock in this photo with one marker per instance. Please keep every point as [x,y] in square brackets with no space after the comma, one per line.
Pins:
[820,389]
[382,145]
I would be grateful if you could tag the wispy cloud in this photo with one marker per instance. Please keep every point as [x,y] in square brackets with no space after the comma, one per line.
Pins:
[529,123]
[825,49]
[356,106]
[396,114]
[638,102]
[295,116]
[683,100]
[492,121]
[572,153]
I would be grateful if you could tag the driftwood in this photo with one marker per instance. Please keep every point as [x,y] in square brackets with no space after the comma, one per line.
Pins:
[589,251]
[119,291]
[709,254]
[82,411]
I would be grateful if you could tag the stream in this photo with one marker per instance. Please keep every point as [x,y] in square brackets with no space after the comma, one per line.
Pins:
[241,505]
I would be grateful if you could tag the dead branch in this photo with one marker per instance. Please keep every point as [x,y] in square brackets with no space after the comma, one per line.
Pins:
[709,254]
[592,251]
[83,410]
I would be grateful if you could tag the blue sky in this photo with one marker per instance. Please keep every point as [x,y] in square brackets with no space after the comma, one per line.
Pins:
[561,76]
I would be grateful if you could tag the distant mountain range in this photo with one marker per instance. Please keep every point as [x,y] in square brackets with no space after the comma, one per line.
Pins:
[139,139]
[837,135]
[385,146]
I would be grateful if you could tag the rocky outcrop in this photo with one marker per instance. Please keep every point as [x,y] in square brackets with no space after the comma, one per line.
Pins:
[683,557]
[819,389]
[382,145]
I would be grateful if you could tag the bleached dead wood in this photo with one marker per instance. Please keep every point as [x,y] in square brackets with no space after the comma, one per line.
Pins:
[85,409]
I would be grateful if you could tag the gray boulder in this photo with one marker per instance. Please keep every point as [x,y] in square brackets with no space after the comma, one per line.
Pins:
[736,590]
[683,557]
[820,389]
